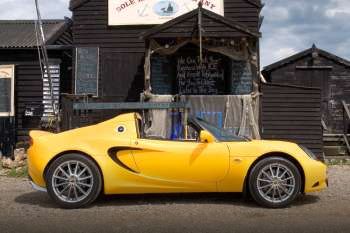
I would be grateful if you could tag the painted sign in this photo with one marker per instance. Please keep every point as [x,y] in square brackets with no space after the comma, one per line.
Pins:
[137,12]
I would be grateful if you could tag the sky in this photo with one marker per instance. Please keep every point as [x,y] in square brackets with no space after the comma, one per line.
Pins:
[290,26]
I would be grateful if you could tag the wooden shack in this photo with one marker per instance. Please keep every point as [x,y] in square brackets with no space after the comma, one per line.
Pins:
[118,46]
[317,68]
[24,98]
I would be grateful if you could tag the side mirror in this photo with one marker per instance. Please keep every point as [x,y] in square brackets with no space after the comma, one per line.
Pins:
[206,137]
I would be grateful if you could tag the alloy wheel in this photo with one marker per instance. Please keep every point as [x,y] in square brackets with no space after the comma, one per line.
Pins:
[72,181]
[276,183]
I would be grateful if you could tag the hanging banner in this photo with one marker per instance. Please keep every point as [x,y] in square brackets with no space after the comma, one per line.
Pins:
[138,12]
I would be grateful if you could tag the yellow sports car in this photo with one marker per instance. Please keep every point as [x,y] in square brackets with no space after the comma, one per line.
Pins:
[115,157]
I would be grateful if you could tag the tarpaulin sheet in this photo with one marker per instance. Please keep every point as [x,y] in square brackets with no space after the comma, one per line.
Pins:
[238,114]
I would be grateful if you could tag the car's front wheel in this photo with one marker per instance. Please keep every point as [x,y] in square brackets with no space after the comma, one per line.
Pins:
[274,182]
[73,181]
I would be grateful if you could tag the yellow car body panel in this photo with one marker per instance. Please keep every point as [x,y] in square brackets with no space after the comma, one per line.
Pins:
[130,164]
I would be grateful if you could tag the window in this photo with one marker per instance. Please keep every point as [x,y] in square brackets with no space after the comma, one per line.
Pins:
[7,73]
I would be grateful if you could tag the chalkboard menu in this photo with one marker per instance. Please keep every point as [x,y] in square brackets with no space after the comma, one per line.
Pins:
[207,78]
[162,75]
[5,95]
[87,62]
[241,78]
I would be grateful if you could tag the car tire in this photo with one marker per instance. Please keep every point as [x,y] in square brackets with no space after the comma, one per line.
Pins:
[73,181]
[274,182]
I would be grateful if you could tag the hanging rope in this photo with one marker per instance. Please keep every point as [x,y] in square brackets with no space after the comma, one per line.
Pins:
[200,30]
[44,61]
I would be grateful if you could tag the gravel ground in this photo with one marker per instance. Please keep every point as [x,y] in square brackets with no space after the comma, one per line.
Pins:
[25,210]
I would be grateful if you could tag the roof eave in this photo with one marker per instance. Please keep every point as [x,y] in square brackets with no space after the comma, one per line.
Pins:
[228,22]
[73,4]
[256,3]
[49,47]
[302,54]
[67,24]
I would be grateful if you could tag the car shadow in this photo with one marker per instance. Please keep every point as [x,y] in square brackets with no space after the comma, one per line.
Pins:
[235,199]
[36,198]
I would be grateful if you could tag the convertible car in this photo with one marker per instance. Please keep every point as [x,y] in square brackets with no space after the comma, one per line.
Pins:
[115,157]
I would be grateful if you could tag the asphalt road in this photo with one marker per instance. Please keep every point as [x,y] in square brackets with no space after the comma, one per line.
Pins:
[25,210]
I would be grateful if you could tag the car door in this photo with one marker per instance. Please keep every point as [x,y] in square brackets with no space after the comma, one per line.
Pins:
[182,161]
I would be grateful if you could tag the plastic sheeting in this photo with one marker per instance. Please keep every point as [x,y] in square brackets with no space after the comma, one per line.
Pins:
[158,124]
[238,114]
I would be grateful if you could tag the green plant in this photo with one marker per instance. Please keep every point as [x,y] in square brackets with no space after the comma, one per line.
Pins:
[18,172]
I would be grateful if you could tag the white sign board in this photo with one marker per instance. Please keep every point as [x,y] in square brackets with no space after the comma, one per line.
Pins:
[138,12]
[7,82]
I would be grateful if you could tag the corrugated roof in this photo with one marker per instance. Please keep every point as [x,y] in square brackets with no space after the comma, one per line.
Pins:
[21,33]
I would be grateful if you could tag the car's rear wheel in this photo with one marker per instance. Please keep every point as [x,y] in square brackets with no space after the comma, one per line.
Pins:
[274,182]
[73,181]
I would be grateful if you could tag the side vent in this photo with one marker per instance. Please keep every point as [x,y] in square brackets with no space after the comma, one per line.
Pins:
[124,159]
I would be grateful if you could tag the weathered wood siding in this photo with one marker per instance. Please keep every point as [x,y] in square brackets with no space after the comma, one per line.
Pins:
[122,50]
[29,85]
[243,12]
[292,114]
[7,135]
[335,84]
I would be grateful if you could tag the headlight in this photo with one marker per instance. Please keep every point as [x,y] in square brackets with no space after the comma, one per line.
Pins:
[308,152]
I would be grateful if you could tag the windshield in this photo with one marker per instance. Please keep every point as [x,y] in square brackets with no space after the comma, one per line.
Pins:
[219,134]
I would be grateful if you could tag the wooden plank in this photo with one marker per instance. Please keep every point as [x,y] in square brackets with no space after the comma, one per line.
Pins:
[291,109]
[291,105]
[296,96]
[286,127]
[291,114]
[296,132]
[346,142]
[296,118]
[346,108]
[291,100]
[129,105]
[291,123]
[295,137]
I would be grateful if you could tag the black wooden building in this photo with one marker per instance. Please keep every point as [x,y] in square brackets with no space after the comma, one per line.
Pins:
[317,68]
[122,50]
[24,95]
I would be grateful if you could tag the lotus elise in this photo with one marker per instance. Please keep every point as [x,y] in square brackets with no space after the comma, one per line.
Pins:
[116,157]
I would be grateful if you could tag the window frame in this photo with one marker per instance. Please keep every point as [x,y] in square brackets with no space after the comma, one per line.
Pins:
[11,113]
[97,70]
